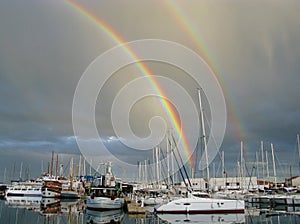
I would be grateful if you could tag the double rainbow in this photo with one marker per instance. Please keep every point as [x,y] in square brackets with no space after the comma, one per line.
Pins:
[167,106]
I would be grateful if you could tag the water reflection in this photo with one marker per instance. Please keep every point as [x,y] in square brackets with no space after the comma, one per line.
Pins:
[46,210]
[203,218]
[29,210]
[112,216]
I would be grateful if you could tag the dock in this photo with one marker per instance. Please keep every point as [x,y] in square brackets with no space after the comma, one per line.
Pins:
[134,207]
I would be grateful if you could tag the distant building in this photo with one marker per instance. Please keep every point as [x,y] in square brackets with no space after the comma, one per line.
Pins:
[293,181]
[223,183]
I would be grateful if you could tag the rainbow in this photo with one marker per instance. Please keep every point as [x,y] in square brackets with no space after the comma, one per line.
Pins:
[186,23]
[167,106]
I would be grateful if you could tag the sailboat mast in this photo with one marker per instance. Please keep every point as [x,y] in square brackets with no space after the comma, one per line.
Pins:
[298,144]
[274,165]
[257,170]
[168,158]
[21,170]
[242,163]
[157,165]
[267,164]
[56,168]
[262,160]
[51,170]
[72,174]
[204,135]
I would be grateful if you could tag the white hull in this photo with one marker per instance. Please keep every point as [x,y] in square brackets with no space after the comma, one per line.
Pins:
[153,201]
[202,206]
[104,203]
[50,193]
[24,191]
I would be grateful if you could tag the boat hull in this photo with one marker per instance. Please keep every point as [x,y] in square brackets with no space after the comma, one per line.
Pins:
[26,192]
[69,194]
[201,206]
[50,193]
[104,203]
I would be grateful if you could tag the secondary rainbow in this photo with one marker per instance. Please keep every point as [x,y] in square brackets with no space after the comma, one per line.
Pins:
[187,24]
[169,109]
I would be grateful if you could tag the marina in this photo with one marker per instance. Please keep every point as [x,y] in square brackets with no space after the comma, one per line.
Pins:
[105,198]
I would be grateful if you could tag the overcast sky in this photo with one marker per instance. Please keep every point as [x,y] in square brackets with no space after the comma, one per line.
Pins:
[45,46]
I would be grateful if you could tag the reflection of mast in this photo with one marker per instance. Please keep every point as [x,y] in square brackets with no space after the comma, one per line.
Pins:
[204,136]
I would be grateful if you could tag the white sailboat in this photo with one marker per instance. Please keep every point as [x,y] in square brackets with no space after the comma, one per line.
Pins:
[196,205]
[200,205]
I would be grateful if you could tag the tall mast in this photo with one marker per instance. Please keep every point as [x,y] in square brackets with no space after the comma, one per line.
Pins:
[274,165]
[21,170]
[51,164]
[262,160]
[204,135]
[223,163]
[91,167]
[168,159]
[157,165]
[84,170]
[42,167]
[4,175]
[56,168]
[172,161]
[72,174]
[257,171]
[79,167]
[242,163]
[298,144]
[267,164]
[223,168]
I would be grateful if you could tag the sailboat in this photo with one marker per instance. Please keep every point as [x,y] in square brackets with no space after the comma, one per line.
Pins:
[70,192]
[200,205]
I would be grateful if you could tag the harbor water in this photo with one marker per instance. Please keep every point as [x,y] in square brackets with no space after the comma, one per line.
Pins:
[17,210]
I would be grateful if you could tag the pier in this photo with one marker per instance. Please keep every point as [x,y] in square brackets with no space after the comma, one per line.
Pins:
[134,207]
